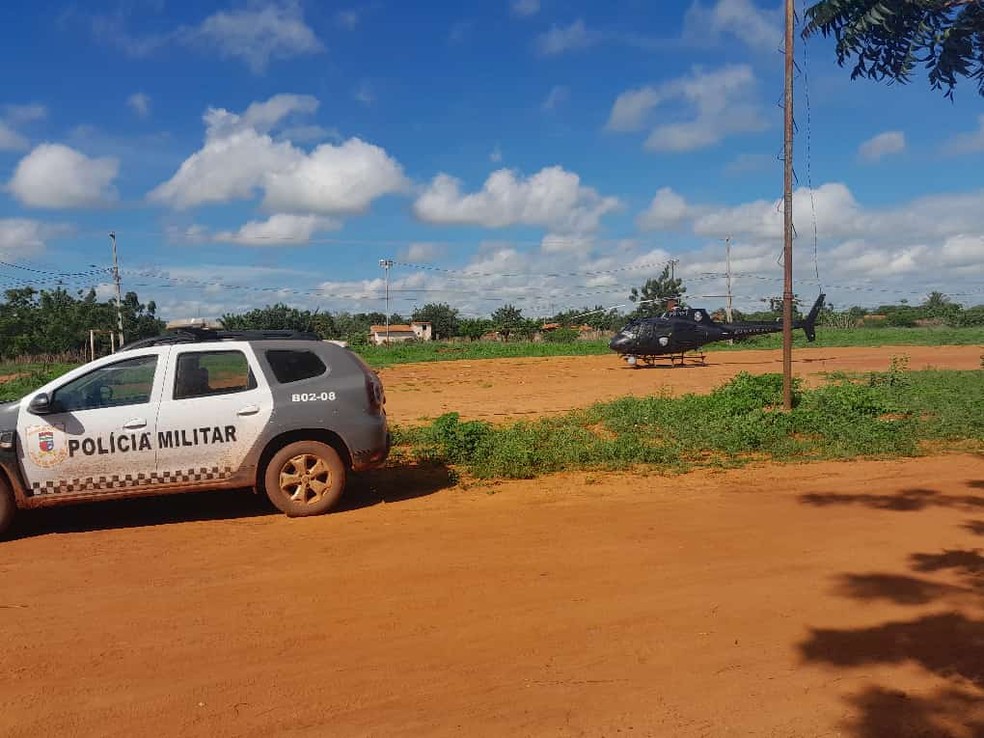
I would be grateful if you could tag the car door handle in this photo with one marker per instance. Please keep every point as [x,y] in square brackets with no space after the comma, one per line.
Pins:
[249,410]
[135,423]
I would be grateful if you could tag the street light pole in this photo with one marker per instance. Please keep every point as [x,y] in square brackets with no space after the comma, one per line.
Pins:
[787,247]
[386,264]
[119,298]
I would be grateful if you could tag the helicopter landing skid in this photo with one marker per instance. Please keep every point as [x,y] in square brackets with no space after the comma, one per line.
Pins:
[678,359]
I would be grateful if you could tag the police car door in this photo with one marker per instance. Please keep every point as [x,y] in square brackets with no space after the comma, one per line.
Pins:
[216,403]
[95,435]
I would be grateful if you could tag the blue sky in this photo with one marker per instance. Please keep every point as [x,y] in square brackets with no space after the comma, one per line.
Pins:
[544,153]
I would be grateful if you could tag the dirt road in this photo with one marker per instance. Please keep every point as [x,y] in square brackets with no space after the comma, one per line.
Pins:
[814,600]
[504,389]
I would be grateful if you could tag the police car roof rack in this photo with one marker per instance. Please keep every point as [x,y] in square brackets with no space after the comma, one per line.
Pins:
[199,335]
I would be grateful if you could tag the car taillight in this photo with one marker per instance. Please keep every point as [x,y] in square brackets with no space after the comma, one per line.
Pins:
[375,392]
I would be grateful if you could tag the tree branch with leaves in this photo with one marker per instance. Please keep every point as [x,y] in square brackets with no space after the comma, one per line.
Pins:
[889,39]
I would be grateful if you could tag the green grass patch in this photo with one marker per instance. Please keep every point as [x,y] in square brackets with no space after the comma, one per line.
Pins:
[32,377]
[889,414]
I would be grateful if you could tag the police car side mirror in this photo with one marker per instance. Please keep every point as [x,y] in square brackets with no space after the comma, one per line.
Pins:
[40,404]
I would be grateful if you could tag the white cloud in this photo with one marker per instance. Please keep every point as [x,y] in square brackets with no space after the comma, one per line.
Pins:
[15,116]
[495,156]
[561,39]
[524,8]
[424,253]
[720,104]
[264,116]
[560,243]
[139,103]
[278,230]
[867,255]
[364,94]
[963,251]
[347,19]
[668,210]
[11,140]
[335,180]
[256,34]
[756,27]
[18,114]
[557,96]
[232,165]
[553,198]
[882,145]
[631,109]
[968,143]
[56,176]
[20,237]
[240,159]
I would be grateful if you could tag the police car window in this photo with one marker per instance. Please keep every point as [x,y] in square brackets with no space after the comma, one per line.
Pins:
[209,373]
[293,366]
[126,382]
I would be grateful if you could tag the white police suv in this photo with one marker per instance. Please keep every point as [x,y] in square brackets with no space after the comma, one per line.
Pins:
[277,411]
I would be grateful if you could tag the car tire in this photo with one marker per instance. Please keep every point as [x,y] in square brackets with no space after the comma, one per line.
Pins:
[304,478]
[8,508]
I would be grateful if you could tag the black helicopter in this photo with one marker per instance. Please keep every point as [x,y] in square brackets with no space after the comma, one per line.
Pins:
[679,330]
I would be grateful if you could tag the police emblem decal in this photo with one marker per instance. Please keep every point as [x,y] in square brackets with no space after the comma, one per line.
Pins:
[46,445]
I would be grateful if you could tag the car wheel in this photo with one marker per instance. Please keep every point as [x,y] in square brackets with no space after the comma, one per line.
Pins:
[8,508]
[305,478]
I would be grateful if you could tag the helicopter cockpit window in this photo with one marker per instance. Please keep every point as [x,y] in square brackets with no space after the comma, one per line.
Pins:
[631,330]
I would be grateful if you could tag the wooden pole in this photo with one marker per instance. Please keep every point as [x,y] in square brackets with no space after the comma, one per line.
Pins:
[787,248]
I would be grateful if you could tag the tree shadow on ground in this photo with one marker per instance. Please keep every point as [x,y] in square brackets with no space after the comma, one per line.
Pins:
[897,588]
[947,644]
[386,485]
[906,500]
[885,713]
[968,563]
[975,526]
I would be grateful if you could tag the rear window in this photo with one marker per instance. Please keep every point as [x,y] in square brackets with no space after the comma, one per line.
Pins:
[293,366]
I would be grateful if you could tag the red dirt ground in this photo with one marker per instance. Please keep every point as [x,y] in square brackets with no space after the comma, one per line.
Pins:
[503,389]
[812,600]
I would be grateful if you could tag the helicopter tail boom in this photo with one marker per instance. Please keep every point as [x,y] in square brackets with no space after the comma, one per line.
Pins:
[809,325]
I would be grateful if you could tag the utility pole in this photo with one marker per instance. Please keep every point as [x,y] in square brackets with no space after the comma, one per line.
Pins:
[386,264]
[119,294]
[673,263]
[727,245]
[787,240]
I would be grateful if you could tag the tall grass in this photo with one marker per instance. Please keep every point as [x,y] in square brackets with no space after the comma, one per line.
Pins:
[896,413]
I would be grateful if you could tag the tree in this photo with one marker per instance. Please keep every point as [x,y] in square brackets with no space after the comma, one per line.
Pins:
[939,307]
[655,292]
[507,320]
[442,317]
[887,39]
[279,317]
[474,328]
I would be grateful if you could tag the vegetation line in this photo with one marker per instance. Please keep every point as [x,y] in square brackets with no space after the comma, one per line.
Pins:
[888,414]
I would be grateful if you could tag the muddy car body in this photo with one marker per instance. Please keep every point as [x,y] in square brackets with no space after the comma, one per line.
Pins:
[279,412]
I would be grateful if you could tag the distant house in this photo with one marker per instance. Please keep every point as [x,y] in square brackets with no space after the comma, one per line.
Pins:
[398,333]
